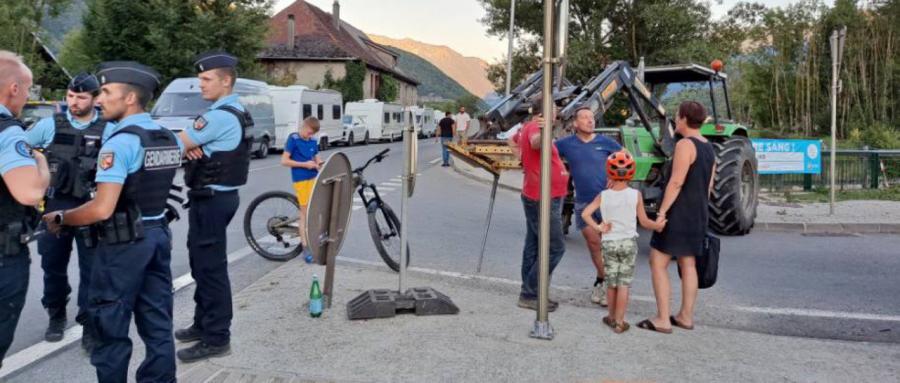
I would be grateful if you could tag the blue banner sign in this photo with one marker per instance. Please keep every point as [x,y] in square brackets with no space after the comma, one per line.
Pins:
[788,156]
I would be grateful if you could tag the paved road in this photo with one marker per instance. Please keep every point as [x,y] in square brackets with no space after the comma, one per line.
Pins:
[786,284]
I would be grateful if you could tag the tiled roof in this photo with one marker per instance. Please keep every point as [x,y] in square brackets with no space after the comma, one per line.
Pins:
[316,38]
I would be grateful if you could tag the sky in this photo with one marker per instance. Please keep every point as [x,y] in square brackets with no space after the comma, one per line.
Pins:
[454,23]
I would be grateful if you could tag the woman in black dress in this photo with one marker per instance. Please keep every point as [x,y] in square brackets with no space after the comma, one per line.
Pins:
[684,206]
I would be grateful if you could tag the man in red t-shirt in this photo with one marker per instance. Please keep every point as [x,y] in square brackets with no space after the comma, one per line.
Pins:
[528,142]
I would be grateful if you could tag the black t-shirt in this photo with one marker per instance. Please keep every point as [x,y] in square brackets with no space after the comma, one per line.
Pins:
[446,125]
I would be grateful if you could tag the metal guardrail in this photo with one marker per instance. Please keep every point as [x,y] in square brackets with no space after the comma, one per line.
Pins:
[855,169]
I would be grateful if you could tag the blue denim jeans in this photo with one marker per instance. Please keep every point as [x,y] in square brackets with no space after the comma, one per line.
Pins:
[530,267]
[445,153]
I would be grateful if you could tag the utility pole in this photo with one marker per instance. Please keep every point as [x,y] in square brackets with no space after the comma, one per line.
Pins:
[509,53]
[837,51]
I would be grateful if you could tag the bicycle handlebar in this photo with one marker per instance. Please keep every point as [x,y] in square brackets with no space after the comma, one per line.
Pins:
[377,158]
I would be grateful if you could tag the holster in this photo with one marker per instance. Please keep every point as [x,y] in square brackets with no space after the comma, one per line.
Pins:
[11,239]
[123,227]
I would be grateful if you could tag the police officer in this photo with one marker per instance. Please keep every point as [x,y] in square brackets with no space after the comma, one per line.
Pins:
[71,141]
[220,154]
[25,179]
[127,220]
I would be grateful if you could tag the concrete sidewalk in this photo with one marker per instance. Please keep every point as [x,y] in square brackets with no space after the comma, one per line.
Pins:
[274,339]
[851,217]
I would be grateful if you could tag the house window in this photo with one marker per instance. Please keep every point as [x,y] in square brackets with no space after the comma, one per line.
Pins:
[319,112]
[307,110]
[336,112]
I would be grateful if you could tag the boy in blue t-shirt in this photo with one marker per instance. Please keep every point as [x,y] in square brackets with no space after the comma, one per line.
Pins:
[301,154]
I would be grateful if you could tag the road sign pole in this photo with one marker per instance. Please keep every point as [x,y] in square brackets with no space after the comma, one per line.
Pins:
[509,52]
[408,173]
[837,50]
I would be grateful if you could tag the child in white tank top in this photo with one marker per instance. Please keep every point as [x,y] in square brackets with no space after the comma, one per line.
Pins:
[621,208]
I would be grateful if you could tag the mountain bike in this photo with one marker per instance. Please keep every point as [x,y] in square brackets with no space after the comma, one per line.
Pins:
[271,223]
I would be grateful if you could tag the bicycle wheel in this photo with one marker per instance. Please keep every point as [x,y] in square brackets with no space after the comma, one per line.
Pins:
[271,226]
[385,229]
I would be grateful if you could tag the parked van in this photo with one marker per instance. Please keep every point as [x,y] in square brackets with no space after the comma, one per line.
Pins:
[295,103]
[181,103]
[384,120]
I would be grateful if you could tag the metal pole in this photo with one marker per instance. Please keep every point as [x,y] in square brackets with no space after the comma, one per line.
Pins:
[509,53]
[542,329]
[837,48]
[487,224]
[408,131]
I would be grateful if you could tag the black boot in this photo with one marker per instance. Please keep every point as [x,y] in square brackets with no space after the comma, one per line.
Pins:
[190,334]
[201,351]
[57,326]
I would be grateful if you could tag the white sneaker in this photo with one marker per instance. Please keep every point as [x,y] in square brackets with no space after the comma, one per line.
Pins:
[598,294]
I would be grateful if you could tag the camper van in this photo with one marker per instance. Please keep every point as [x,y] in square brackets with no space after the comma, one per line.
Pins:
[295,103]
[384,120]
[181,103]
[423,120]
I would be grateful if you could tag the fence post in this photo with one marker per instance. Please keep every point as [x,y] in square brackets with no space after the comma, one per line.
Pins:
[807,182]
[875,170]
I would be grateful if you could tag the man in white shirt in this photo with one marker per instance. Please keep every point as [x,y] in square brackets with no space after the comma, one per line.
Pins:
[462,125]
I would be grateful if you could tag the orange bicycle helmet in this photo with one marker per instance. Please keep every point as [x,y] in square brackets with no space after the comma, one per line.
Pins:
[620,166]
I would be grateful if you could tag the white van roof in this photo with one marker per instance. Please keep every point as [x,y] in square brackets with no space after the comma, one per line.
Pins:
[192,85]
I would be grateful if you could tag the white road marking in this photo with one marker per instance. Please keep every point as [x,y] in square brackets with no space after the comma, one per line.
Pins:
[434,161]
[385,188]
[36,352]
[267,167]
[355,208]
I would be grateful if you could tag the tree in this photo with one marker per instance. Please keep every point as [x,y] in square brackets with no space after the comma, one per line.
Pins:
[351,85]
[20,28]
[525,61]
[167,34]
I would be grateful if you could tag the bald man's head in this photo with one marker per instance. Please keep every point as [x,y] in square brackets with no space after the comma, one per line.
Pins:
[15,81]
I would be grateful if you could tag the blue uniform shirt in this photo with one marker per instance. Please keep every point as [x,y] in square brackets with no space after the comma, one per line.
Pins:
[41,134]
[301,151]
[14,149]
[587,163]
[126,151]
[219,131]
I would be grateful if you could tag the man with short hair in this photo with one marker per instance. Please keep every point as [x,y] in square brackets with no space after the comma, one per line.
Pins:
[527,141]
[25,179]
[446,126]
[461,120]
[218,146]
[71,141]
[586,152]
[128,221]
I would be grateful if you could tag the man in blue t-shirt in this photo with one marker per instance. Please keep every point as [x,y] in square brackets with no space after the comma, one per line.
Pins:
[586,153]
[301,154]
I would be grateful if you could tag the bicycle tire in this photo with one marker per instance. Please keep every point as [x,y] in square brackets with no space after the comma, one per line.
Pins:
[254,242]
[391,258]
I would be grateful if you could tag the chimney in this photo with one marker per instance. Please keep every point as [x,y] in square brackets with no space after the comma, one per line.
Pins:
[291,32]
[336,14]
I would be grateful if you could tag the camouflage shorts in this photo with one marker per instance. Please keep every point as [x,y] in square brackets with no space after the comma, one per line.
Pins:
[618,261]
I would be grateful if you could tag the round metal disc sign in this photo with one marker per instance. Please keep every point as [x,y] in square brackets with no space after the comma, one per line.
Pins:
[328,212]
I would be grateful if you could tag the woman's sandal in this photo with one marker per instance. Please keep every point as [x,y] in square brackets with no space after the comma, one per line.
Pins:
[676,323]
[609,322]
[621,327]
[646,324]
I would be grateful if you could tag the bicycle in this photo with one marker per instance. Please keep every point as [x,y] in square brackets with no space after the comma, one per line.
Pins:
[276,236]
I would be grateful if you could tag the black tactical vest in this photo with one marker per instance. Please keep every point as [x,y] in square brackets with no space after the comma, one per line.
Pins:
[148,189]
[15,219]
[72,158]
[223,168]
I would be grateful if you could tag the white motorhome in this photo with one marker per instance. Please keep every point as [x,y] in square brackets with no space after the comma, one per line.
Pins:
[384,120]
[423,120]
[181,103]
[295,103]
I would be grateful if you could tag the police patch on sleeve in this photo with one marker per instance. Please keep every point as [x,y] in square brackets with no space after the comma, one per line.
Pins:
[106,160]
[24,149]
[200,123]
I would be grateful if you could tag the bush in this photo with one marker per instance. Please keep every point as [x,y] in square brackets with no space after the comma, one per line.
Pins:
[877,136]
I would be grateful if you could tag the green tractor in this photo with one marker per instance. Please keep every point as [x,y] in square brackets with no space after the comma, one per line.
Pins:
[649,133]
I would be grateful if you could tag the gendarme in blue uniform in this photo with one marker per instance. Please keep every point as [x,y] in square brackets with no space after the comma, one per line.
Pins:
[131,272]
[72,159]
[14,262]
[213,199]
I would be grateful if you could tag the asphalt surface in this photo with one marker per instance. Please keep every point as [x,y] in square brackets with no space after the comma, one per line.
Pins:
[777,283]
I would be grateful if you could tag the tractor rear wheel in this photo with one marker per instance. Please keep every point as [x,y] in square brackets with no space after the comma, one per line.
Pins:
[732,205]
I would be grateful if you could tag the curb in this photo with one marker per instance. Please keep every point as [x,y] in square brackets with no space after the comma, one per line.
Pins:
[782,227]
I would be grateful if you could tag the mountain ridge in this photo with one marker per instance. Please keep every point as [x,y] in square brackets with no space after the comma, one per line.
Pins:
[470,72]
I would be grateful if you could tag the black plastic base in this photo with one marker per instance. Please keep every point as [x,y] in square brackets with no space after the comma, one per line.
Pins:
[383,303]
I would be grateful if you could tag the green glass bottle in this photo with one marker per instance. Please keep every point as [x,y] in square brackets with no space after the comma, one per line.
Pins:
[315,298]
